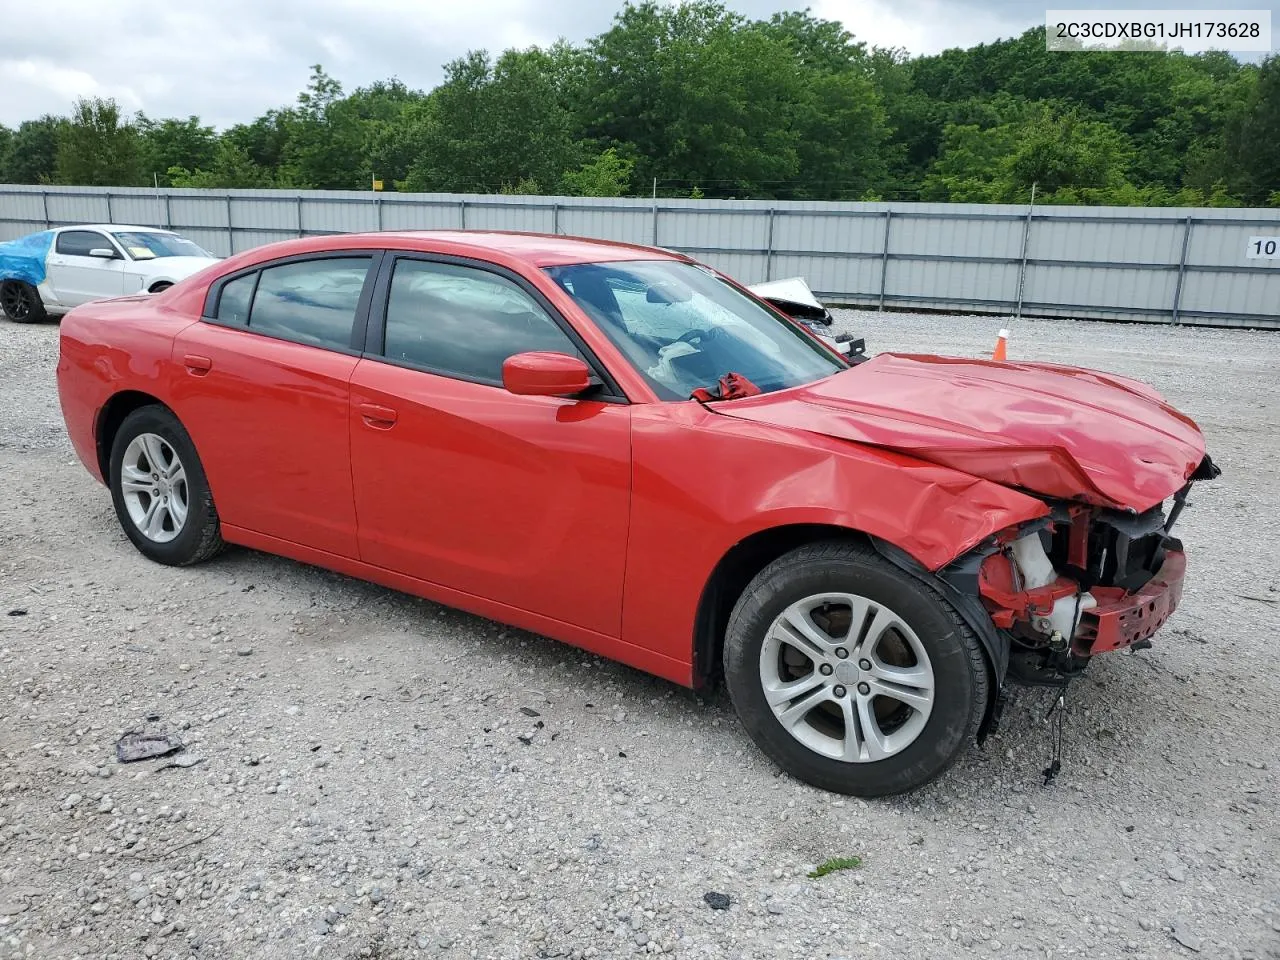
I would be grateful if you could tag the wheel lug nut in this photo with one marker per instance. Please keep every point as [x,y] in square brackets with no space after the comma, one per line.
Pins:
[839,691]
[864,688]
[825,669]
[842,653]
[864,664]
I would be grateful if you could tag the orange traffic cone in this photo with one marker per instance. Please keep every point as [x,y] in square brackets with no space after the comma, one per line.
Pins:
[1002,341]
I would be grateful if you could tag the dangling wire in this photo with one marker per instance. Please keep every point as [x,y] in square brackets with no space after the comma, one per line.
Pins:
[1060,708]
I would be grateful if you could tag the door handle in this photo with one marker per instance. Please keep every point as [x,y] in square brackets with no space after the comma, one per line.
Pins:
[378,416]
[197,366]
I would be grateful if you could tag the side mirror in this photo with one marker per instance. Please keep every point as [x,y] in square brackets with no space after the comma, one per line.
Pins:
[103,253]
[545,374]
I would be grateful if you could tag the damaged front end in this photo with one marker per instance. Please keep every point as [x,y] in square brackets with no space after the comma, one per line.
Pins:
[1083,581]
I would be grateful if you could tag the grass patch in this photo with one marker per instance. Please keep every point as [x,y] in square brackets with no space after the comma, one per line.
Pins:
[834,864]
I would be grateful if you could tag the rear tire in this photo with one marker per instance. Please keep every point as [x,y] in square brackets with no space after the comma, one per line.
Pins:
[21,302]
[852,675]
[160,287]
[159,489]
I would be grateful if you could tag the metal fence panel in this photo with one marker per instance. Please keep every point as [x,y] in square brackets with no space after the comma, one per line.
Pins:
[145,211]
[69,208]
[399,215]
[510,217]
[952,281]
[859,233]
[188,211]
[854,280]
[1229,293]
[1139,264]
[629,226]
[1141,293]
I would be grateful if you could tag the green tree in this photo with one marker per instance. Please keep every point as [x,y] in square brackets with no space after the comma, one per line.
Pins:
[33,152]
[1068,159]
[839,117]
[708,101]
[607,175]
[699,95]
[1252,138]
[323,148]
[231,167]
[823,46]
[1169,106]
[265,139]
[6,151]
[383,111]
[490,125]
[174,143]
[97,147]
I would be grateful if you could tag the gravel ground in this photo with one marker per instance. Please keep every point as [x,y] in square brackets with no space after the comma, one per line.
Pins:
[382,777]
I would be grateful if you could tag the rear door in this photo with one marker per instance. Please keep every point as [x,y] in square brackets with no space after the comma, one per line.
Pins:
[518,499]
[263,390]
[76,277]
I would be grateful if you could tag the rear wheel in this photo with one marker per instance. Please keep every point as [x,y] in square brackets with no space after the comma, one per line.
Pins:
[160,287]
[852,675]
[21,302]
[158,486]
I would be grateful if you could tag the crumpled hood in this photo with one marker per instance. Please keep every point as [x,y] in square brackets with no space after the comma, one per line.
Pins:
[1056,430]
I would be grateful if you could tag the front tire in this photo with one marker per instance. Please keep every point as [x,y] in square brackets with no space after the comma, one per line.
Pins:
[158,486]
[21,302]
[852,675]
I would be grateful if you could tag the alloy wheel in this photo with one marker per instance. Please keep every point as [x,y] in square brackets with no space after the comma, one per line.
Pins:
[153,483]
[846,677]
[14,302]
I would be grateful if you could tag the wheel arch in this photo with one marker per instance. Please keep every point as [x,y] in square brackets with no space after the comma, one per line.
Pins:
[112,415]
[730,577]
[749,556]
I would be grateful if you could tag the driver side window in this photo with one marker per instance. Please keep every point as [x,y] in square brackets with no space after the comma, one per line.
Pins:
[78,243]
[464,322]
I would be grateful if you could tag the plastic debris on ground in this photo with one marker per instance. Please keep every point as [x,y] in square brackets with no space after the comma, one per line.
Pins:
[135,746]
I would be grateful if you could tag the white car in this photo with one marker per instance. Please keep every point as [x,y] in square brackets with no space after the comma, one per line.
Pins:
[46,274]
[794,298]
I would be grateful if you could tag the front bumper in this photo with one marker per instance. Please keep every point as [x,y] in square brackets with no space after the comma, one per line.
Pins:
[1120,619]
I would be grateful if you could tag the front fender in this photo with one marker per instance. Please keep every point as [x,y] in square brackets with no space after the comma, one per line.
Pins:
[717,481]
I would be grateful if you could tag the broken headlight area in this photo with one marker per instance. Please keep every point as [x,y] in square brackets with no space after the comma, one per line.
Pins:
[1083,581]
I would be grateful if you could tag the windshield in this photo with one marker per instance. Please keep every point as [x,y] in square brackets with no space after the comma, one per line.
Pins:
[684,328]
[148,246]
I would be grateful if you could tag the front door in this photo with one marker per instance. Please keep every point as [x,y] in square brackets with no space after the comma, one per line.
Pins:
[521,500]
[262,387]
[76,277]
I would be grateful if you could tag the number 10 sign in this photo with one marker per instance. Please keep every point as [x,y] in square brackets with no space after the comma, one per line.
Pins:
[1263,248]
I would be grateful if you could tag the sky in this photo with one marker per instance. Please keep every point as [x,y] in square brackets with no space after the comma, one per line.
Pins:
[231,60]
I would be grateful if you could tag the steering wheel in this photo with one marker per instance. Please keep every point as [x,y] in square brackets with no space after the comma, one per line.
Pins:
[689,336]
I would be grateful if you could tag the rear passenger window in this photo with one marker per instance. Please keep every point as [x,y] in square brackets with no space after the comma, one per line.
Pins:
[312,301]
[464,322]
[234,300]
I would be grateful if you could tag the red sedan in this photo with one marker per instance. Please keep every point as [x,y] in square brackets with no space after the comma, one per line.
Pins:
[622,449]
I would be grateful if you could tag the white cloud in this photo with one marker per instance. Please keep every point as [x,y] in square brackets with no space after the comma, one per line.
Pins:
[926,26]
[229,61]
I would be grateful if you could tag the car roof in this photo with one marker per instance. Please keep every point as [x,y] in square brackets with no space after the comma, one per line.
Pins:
[537,249]
[114,226]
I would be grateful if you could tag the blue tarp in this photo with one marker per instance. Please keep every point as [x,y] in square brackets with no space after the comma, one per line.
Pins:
[23,259]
